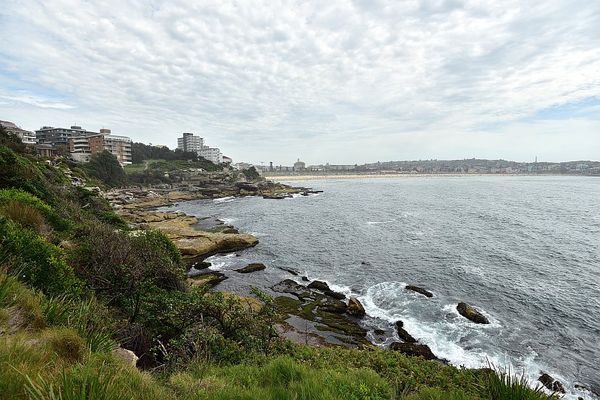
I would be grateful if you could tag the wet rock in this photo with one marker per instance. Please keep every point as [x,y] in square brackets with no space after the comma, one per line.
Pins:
[305,279]
[379,332]
[332,306]
[291,271]
[208,279]
[414,350]
[355,308]
[420,290]
[471,313]
[319,285]
[335,295]
[251,268]
[551,383]
[405,336]
[291,287]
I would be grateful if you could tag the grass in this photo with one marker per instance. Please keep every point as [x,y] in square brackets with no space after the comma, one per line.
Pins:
[23,214]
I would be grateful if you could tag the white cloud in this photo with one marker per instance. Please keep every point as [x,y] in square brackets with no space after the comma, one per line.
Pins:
[338,81]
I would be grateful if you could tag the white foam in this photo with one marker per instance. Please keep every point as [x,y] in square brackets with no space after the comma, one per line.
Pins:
[224,199]
[228,221]
[380,222]
[221,261]
[389,301]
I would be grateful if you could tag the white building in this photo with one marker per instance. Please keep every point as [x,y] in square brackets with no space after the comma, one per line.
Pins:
[190,142]
[212,154]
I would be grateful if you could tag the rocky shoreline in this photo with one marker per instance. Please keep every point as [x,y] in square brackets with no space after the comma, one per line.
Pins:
[310,312]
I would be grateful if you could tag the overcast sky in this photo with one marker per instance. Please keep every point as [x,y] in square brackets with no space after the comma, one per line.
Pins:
[325,81]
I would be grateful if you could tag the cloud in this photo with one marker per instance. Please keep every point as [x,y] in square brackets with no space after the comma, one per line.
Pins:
[332,81]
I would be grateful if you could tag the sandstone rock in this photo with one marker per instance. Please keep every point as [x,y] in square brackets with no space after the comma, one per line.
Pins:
[414,350]
[127,356]
[319,285]
[251,268]
[551,383]
[471,313]
[420,290]
[403,334]
[355,308]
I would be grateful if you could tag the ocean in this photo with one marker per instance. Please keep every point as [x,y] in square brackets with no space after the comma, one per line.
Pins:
[523,250]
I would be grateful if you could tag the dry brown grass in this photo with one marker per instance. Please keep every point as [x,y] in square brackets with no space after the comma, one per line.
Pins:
[24,215]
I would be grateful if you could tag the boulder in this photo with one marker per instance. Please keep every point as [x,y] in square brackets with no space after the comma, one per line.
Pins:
[471,313]
[319,285]
[127,356]
[420,290]
[405,336]
[414,350]
[551,383]
[251,268]
[335,295]
[332,306]
[355,308]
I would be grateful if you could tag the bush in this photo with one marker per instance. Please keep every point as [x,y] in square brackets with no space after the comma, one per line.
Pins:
[38,263]
[65,343]
[122,267]
[106,167]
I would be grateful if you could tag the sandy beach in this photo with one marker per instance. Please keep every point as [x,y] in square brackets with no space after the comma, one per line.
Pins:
[282,178]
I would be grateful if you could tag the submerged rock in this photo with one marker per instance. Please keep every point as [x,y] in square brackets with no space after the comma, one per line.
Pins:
[471,313]
[405,336]
[551,383]
[414,350]
[251,268]
[420,290]
[355,308]
[319,285]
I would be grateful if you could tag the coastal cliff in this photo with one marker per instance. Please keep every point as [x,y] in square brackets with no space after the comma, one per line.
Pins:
[97,304]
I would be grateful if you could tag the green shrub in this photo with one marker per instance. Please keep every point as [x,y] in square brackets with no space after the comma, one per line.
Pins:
[38,262]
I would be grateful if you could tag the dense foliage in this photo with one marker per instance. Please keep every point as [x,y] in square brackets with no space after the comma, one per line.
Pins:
[106,167]
[141,152]
[11,141]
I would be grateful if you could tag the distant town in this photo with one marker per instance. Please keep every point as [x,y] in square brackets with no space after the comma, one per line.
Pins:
[80,144]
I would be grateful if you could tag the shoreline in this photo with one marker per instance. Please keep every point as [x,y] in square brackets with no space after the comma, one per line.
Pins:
[315,316]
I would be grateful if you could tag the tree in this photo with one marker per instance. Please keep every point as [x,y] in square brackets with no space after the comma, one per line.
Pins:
[251,174]
[106,167]
[11,141]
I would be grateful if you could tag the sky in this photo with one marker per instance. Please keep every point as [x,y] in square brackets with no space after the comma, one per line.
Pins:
[332,81]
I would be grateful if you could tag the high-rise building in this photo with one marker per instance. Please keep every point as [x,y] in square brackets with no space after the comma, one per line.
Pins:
[190,142]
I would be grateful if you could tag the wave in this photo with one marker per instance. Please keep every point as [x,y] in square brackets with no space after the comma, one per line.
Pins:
[450,336]
[221,261]
[380,222]
[227,199]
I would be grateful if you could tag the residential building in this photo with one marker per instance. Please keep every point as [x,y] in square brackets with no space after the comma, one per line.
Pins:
[27,137]
[212,154]
[83,147]
[227,160]
[59,136]
[190,142]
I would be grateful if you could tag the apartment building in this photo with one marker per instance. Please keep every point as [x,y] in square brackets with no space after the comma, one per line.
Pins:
[83,147]
[190,142]
[27,137]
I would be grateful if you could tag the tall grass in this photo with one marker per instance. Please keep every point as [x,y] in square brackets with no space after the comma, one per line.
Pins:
[68,387]
[502,384]
[23,214]
[86,317]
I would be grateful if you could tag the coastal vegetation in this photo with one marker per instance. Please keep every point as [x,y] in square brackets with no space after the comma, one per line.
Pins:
[93,307]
